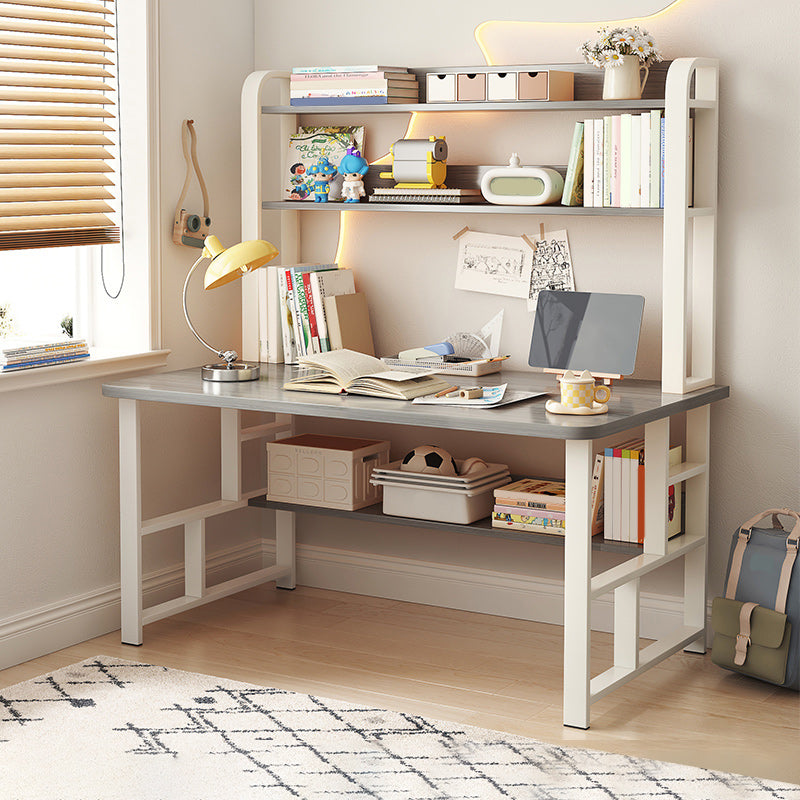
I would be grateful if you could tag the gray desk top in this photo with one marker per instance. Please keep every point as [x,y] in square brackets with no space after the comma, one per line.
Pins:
[632,403]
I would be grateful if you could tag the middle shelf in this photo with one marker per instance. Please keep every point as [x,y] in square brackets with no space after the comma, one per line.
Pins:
[481,528]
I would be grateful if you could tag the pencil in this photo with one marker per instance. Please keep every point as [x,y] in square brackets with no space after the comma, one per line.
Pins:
[446,391]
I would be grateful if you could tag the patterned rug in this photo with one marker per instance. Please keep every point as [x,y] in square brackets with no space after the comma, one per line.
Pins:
[107,728]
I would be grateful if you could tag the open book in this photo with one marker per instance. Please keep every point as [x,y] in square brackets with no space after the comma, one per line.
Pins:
[341,371]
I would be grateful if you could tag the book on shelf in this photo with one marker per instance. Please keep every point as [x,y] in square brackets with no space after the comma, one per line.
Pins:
[523,522]
[573,181]
[348,69]
[321,78]
[372,100]
[588,163]
[380,89]
[295,330]
[545,493]
[531,513]
[598,183]
[347,317]
[624,490]
[348,372]
[328,284]
[307,146]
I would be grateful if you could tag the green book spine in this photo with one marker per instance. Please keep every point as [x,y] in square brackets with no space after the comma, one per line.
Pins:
[573,182]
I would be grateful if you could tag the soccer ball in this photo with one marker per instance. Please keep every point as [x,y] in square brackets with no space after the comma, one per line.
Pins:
[430,460]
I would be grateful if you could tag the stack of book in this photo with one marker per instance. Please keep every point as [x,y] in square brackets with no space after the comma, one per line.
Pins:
[16,354]
[356,85]
[619,160]
[624,493]
[302,290]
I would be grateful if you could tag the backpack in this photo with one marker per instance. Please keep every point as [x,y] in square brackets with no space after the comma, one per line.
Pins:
[757,624]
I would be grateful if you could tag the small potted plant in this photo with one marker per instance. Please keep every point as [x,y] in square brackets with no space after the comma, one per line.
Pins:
[622,53]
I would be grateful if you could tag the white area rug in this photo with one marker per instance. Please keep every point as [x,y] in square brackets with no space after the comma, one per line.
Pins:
[107,728]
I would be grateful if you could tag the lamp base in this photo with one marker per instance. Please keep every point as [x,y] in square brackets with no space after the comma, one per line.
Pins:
[238,371]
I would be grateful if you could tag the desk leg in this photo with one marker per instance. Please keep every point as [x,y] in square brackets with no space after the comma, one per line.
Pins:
[285,546]
[130,521]
[577,583]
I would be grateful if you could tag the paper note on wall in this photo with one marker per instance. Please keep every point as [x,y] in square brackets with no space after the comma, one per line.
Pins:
[552,266]
[495,264]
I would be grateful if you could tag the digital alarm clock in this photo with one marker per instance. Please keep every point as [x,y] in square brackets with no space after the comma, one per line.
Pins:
[522,186]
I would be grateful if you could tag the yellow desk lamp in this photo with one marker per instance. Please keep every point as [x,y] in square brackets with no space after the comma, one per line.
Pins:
[228,265]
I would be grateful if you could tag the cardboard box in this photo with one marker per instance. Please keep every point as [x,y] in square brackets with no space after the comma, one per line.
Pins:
[471,87]
[440,88]
[325,471]
[545,85]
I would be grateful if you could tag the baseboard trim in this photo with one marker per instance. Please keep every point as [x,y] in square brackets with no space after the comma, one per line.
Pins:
[466,588]
[86,616]
[93,614]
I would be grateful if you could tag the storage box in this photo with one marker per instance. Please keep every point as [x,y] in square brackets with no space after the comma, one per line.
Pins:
[326,471]
[545,85]
[501,86]
[440,88]
[471,86]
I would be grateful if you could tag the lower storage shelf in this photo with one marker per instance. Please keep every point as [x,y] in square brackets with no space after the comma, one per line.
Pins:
[481,528]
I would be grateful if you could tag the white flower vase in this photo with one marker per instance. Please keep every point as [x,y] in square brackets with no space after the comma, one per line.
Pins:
[623,80]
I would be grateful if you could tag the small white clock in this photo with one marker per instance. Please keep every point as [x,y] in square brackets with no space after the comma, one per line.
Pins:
[522,186]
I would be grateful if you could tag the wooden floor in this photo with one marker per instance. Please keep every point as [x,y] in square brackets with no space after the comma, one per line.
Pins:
[477,669]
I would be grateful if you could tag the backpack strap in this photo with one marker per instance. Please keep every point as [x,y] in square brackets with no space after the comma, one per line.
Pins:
[743,637]
[736,563]
[792,541]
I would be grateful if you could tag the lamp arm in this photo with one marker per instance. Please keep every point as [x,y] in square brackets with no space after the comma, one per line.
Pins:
[229,355]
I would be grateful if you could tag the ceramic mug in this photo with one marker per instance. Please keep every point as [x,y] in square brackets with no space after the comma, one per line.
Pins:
[579,390]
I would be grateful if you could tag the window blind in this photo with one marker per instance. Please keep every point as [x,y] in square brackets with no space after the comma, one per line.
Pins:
[56,115]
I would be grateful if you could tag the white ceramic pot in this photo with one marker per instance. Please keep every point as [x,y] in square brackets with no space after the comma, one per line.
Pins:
[623,80]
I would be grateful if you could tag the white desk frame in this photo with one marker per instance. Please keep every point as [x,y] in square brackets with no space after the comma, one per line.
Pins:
[581,690]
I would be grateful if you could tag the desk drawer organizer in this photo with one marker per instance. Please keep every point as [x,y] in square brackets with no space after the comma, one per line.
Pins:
[325,471]
[439,498]
[499,84]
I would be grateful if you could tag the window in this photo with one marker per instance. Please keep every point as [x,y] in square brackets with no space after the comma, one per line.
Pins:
[61,182]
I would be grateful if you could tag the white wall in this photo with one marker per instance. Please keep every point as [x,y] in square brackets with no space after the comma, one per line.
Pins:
[58,445]
[405,262]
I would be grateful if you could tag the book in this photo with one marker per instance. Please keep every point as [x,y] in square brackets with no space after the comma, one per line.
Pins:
[596,498]
[573,182]
[662,143]
[357,68]
[655,158]
[347,317]
[329,284]
[312,314]
[348,372]
[536,490]
[644,147]
[616,175]
[521,522]
[607,161]
[349,101]
[409,90]
[301,78]
[43,361]
[588,163]
[531,513]
[625,145]
[288,310]
[598,185]
[635,173]
[307,146]
[25,347]
[345,87]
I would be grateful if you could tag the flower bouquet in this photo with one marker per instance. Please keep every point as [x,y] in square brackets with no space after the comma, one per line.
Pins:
[614,43]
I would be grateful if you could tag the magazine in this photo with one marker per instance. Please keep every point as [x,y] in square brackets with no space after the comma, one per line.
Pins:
[310,144]
[349,372]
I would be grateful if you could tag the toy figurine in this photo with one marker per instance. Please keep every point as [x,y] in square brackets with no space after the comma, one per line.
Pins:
[323,172]
[299,190]
[354,168]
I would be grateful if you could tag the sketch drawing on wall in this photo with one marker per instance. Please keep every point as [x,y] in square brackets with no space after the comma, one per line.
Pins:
[552,266]
[494,264]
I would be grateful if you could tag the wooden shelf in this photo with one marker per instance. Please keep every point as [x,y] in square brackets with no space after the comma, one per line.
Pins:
[461,208]
[481,528]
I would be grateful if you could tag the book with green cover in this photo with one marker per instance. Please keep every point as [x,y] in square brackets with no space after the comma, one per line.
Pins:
[573,182]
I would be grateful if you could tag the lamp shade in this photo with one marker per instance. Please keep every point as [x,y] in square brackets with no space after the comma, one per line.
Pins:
[229,264]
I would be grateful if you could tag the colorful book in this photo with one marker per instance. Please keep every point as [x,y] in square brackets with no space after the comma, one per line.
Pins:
[348,101]
[597,505]
[573,182]
[662,144]
[358,68]
[310,144]
[289,309]
[533,513]
[532,490]
[43,361]
[329,284]
[588,163]
[542,526]
[312,315]
[299,78]
[384,89]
